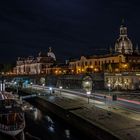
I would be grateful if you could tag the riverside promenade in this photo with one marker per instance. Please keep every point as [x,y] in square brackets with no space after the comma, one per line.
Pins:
[121,124]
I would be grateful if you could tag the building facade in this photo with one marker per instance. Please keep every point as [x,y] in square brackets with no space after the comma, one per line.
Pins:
[121,67]
[96,63]
[128,75]
[122,81]
[35,65]
[123,58]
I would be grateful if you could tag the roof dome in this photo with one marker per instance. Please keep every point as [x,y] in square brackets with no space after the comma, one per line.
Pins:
[123,43]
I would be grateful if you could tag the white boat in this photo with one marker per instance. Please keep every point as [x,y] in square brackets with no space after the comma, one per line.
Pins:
[12,120]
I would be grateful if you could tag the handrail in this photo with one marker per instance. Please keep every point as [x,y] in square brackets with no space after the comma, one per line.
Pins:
[12,127]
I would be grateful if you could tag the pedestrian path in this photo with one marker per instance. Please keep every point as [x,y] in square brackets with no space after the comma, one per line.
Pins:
[111,120]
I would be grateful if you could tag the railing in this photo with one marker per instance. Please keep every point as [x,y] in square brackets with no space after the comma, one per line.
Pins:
[12,127]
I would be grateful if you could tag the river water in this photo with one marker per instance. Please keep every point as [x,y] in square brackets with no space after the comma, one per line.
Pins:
[42,125]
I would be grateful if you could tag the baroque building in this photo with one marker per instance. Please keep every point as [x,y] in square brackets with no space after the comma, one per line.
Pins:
[124,57]
[121,67]
[35,65]
[128,76]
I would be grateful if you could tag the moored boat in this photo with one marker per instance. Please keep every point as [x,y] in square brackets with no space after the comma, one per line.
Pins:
[12,120]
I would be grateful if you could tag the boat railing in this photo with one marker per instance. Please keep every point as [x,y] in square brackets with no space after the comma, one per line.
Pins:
[17,126]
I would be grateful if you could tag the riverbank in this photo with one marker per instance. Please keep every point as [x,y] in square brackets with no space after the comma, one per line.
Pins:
[89,119]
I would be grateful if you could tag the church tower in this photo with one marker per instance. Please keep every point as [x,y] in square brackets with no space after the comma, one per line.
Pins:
[123,43]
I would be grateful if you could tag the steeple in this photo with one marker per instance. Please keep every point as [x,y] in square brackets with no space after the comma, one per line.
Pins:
[123,22]
[110,50]
[137,49]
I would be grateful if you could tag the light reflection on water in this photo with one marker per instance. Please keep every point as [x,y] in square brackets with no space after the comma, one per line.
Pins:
[48,123]
[47,127]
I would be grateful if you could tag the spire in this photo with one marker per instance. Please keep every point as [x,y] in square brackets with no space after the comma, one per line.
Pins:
[123,22]
[137,49]
[110,50]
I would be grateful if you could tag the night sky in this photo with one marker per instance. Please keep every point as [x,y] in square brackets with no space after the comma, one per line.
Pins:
[72,27]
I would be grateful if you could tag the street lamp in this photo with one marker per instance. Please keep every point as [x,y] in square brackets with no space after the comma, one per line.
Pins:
[109,88]
[126,85]
[31,86]
[16,86]
[60,89]
[50,89]
[88,95]
[43,86]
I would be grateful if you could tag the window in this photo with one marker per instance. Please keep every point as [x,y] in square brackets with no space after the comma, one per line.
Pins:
[95,63]
[90,63]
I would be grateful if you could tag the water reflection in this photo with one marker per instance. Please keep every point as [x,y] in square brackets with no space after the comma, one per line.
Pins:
[37,114]
[67,133]
[51,126]
[55,129]
[41,126]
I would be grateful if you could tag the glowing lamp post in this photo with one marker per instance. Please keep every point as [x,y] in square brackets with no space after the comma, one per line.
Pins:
[16,85]
[88,95]
[87,85]
[50,89]
[60,89]
[109,88]
[43,86]
[31,86]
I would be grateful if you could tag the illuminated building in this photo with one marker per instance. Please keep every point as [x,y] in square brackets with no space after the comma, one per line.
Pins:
[121,66]
[124,58]
[58,69]
[127,76]
[36,65]
[122,81]
[95,63]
